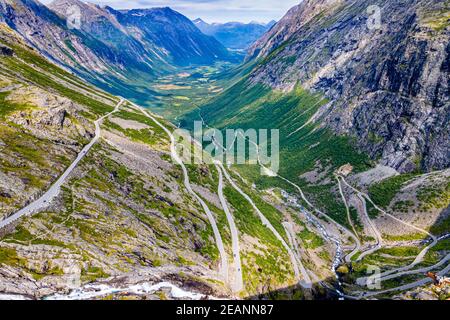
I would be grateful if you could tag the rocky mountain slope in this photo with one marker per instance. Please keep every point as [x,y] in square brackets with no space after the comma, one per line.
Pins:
[117,51]
[175,34]
[234,35]
[132,222]
[388,85]
[160,32]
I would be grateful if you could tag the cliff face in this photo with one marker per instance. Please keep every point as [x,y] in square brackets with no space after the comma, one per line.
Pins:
[176,35]
[102,24]
[389,86]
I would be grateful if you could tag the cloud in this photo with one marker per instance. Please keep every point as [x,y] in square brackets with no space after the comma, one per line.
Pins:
[213,10]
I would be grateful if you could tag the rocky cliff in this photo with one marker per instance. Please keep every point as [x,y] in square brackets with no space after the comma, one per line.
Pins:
[182,41]
[388,83]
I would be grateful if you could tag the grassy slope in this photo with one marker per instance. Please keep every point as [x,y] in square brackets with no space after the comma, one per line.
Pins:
[255,106]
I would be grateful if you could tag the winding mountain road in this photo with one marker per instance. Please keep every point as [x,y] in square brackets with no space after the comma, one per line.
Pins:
[349,257]
[223,256]
[399,271]
[408,286]
[54,190]
[238,284]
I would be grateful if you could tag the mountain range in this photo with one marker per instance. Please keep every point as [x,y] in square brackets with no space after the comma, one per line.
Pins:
[234,35]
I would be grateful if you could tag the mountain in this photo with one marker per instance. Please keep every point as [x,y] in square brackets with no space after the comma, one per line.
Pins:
[47,32]
[95,202]
[388,87]
[234,35]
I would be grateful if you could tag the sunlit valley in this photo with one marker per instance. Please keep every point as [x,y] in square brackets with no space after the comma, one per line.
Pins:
[96,201]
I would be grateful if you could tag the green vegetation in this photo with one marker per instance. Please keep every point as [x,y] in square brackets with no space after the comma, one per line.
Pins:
[443,245]
[118,171]
[24,237]
[179,93]
[302,144]
[151,136]
[8,256]
[400,251]
[405,237]
[265,268]
[52,271]
[383,193]
[209,249]
[356,220]
[435,17]
[434,197]
[442,226]
[273,215]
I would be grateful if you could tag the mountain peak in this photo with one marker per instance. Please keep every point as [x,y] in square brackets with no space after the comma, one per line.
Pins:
[199,20]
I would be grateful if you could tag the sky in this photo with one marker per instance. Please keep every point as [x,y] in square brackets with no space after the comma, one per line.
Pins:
[212,10]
